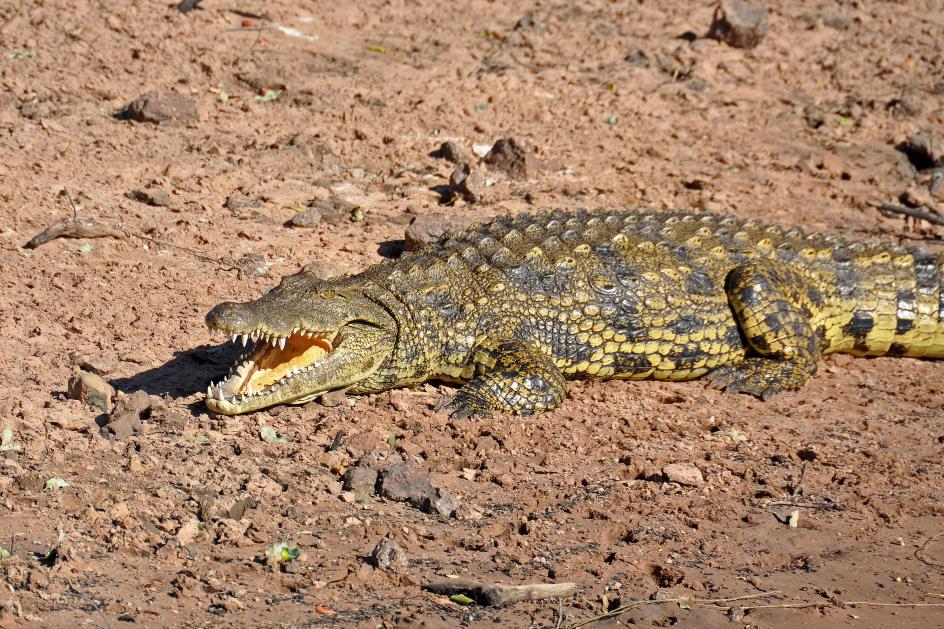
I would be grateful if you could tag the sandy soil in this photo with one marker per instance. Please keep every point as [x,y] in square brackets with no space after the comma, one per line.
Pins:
[621,108]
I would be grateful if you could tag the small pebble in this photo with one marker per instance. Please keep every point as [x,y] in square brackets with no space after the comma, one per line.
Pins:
[91,389]
[151,196]
[161,108]
[683,474]
[738,24]
[98,364]
[333,398]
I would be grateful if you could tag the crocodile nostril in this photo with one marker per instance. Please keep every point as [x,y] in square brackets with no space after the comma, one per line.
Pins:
[228,314]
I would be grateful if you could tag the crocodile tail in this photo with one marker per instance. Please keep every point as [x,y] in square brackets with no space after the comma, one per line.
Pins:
[896,307]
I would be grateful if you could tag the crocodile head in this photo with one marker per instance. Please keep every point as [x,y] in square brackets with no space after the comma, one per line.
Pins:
[307,336]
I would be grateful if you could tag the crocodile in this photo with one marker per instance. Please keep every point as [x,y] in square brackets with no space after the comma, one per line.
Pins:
[513,307]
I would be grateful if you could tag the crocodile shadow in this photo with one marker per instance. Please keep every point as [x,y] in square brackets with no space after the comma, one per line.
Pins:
[188,372]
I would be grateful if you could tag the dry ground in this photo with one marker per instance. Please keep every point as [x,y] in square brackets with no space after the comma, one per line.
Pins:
[801,130]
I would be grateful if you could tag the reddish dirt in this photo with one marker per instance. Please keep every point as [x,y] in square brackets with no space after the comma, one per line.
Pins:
[620,110]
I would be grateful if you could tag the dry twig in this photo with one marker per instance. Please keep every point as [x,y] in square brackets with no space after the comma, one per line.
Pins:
[913,212]
[499,593]
[718,603]
[920,552]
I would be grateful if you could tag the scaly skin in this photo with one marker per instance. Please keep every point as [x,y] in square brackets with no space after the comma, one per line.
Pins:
[514,307]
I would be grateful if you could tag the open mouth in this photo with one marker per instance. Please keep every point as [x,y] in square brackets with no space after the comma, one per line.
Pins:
[272,362]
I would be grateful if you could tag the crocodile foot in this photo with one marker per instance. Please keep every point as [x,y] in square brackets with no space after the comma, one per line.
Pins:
[463,405]
[761,377]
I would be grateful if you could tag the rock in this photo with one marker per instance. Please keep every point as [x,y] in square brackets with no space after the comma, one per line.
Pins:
[333,398]
[427,228]
[254,264]
[336,210]
[451,152]
[513,159]
[322,269]
[834,165]
[738,24]
[683,474]
[925,149]
[138,402]
[188,531]
[123,425]
[467,182]
[125,419]
[309,218]
[360,480]
[91,389]
[98,364]
[161,108]
[151,196]
[236,203]
[441,503]
[388,556]
[406,482]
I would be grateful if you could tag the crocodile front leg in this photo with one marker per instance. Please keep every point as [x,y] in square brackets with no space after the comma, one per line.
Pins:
[774,307]
[509,376]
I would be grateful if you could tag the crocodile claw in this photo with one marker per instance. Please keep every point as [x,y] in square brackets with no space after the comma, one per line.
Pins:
[461,406]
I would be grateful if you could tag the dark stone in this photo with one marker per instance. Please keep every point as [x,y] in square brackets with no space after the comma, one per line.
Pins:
[161,108]
[512,158]
[186,6]
[451,152]
[738,24]
[151,196]
[388,556]
[467,182]
[361,480]
[440,503]
[406,482]
[924,149]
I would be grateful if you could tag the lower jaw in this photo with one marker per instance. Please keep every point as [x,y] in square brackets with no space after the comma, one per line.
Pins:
[243,405]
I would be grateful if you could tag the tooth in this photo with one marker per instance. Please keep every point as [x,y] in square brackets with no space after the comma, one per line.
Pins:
[281,342]
[235,336]
[250,390]
[219,394]
[245,339]
[254,335]
[209,391]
